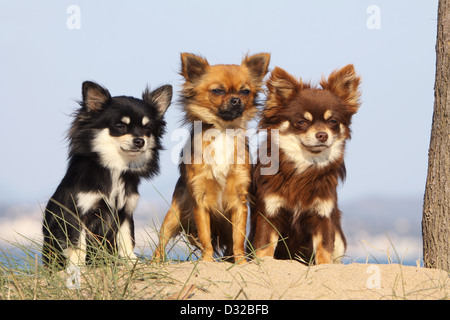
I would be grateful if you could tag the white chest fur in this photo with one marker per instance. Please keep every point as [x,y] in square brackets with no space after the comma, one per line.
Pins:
[116,199]
[273,203]
[219,154]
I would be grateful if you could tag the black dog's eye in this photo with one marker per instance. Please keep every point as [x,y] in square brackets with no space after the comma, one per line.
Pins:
[218,92]
[120,126]
[148,128]
[245,92]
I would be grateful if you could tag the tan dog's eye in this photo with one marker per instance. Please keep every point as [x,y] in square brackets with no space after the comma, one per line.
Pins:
[244,92]
[218,92]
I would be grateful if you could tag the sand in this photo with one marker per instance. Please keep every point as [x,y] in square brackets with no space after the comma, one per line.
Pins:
[271,279]
[266,279]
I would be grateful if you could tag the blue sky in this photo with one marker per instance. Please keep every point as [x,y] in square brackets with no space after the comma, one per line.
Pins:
[128,44]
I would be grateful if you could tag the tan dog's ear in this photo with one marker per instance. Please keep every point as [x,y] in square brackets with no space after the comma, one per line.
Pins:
[282,86]
[345,84]
[192,66]
[258,65]
[94,96]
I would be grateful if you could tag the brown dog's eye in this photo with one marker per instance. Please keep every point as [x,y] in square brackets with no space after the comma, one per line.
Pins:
[218,92]
[333,122]
[244,92]
[302,124]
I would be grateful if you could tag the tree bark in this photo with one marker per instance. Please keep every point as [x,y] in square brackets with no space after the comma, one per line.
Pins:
[435,220]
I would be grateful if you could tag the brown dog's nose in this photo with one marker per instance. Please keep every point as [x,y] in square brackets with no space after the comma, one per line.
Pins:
[322,136]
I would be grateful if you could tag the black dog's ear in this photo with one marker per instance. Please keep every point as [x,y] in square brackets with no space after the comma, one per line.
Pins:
[160,98]
[94,96]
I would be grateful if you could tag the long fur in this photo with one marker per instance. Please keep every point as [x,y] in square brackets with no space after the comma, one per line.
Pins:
[114,142]
[209,203]
[294,212]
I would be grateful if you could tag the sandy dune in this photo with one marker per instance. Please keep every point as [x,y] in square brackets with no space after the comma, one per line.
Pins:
[275,279]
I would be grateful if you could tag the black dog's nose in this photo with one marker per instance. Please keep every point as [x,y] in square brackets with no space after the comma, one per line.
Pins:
[139,142]
[322,136]
[235,101]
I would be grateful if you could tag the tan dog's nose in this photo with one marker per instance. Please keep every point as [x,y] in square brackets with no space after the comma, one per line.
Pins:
[235,101]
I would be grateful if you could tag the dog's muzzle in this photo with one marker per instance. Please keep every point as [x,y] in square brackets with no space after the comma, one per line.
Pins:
[232,110]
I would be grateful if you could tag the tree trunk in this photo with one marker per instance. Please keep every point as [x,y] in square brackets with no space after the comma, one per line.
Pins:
[435,220]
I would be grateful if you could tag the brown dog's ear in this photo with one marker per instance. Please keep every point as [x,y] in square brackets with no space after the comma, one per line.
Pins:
[94,96]
[192,66]
[345,84]
[282,85]
[257,64]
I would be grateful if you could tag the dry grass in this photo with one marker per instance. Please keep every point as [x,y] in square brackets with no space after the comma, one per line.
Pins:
[22,276]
